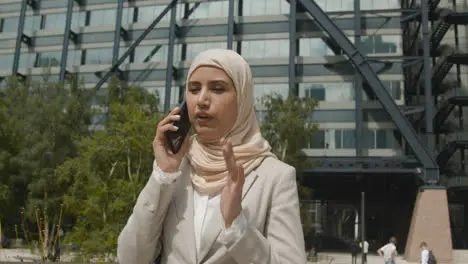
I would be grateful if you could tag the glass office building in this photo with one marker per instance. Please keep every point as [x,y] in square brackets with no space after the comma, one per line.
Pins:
[264,42]
[261,33]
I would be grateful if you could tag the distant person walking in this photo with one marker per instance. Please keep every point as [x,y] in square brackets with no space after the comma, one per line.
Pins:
[389,252]
[354,252]
[365,249]
[427,257]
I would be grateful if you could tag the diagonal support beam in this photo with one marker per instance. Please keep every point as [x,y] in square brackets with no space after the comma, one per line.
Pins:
[118,31]
[19,38]
[170,60]
[431,173]
[231,25]
[135,44]
[66,41]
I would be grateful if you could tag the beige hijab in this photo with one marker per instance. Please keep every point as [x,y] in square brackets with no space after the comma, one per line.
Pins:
[209,173]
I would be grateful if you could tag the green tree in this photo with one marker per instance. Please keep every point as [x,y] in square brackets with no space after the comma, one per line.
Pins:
[285,126]
[112,168]
[39,125]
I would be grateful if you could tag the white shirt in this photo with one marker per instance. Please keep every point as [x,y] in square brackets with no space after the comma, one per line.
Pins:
[388,251]
[425,256]
[204,208]
[366,246]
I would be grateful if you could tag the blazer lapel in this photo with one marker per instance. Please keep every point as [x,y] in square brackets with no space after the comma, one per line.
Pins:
[215,224]
[185,214]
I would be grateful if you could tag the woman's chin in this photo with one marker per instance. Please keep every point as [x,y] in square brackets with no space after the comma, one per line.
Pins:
[207,136]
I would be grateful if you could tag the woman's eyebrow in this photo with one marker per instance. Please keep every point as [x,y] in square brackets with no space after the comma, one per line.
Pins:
[219,81]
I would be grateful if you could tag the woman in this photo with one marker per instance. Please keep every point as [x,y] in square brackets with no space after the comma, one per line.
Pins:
[224,197]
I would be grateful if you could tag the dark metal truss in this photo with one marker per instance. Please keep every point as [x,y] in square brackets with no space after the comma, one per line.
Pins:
[135,44]
[443,112]
[403,165]
[21,37]
[362,65]
[450,149]
[68,34]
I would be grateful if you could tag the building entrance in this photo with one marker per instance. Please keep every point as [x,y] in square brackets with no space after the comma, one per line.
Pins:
[389,202]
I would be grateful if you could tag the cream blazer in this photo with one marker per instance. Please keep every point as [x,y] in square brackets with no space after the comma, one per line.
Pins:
[163,217]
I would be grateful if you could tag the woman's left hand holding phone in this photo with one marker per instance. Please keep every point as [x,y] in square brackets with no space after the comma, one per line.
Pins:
[166,160]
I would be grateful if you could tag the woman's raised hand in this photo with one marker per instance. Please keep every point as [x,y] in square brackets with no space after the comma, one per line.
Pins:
[166,160]
[231,195]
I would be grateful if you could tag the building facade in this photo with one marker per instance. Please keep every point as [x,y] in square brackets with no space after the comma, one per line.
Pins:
[372,115]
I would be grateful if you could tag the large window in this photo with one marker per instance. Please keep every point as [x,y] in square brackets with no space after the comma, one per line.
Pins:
[212,9]
[336,5]
[263,90]
[330,92]
[346,139]
[27,60]
[6,61]
[10,24]
[379,4]
[265,48]
[8,8]
[275,7]
[348,115]
[344,91]
[32,23]
[376,44]
[55,21]
[48,59]
[103,17]
[193,49]
[128,15]
[98,56]
[313,47]
[147,14]
[155,53]
[381,44]
[264,7]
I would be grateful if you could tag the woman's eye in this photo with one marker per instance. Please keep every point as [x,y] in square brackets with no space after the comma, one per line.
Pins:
[218,89]
[193,89]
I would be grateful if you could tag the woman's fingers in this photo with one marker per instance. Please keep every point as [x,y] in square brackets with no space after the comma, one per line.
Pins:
[166,123]
[230,160]
[240,176]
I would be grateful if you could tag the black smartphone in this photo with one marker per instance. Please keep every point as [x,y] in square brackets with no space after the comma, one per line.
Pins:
[176,138]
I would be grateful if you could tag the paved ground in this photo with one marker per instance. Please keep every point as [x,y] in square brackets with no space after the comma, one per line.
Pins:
[459,257]
[342,258]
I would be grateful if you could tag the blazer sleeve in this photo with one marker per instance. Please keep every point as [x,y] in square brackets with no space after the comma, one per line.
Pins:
[284,241]
[140,239]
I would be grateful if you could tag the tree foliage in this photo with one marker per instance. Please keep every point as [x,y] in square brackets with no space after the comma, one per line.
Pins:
[285,126]
[39,124]
[112,168]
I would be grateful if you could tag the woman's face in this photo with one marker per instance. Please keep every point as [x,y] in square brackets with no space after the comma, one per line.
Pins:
[212,103]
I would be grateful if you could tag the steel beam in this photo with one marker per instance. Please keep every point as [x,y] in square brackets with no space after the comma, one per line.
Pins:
[191,10]
[135,44]
[240,7]
[431,171]
[292,47]
[231,25]
[428,99]
[19,38]
[183,51]
[118,31]
[170,60]
[365,164]
[358,87]
[66,41]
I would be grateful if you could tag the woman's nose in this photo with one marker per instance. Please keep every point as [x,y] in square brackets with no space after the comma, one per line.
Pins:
[203,99]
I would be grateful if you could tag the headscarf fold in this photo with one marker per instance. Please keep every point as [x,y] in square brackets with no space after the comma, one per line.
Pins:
[209,172]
